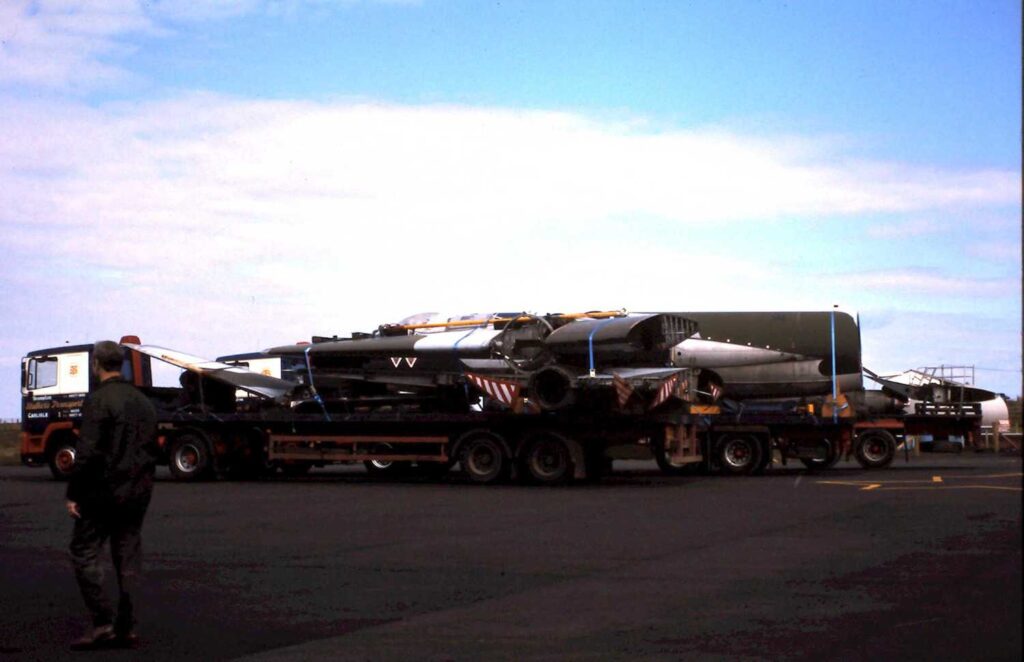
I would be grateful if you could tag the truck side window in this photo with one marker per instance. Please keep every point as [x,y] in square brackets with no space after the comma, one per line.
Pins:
[42,373]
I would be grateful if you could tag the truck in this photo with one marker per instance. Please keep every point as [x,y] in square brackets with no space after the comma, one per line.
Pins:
[541,399]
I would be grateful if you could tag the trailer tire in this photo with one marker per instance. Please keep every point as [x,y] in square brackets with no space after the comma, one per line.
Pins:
[189,457]
[60,456]
[829,461]
[875,449]
[380,468]
[670,468]
[547,459]
[483,457]
[384,468]
[767,456]
[739,454]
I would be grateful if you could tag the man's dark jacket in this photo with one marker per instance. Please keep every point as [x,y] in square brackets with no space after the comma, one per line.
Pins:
[117,448]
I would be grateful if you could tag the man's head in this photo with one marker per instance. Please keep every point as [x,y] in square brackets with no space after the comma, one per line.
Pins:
[107,356]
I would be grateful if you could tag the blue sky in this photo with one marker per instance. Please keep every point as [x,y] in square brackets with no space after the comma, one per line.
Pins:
[219,176]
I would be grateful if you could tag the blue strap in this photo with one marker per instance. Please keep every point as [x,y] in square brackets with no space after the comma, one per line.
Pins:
[590,342]
[455,347]
[312,387]
[835,385]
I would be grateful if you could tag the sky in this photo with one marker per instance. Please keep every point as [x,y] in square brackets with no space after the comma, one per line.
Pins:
[225,176]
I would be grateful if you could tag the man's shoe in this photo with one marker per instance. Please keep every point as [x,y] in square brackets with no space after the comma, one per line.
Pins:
[100,637]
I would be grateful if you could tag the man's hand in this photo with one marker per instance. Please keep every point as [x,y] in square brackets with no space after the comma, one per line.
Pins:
[73,509]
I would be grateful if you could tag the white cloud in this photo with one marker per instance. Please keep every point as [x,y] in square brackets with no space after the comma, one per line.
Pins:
[80,45]
[66,44]
[205,10]
[206,175]
[1004,249]
[927,282]
[217,225]
[911,227]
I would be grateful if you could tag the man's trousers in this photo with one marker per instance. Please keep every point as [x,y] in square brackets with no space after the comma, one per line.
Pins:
[121,524]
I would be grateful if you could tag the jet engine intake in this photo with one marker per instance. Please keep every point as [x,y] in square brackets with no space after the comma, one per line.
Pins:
[553,388]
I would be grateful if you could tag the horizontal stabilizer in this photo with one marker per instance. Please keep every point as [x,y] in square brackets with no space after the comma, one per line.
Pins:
[252,382]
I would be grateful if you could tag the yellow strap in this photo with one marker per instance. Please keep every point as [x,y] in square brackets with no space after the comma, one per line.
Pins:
[496,320]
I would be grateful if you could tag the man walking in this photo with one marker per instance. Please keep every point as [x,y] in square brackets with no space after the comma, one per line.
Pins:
[108,493]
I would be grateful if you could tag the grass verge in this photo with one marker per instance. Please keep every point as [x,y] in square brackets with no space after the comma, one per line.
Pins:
[10,451]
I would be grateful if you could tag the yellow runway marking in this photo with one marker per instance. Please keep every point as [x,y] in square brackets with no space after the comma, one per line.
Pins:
[953,487]
[934,483]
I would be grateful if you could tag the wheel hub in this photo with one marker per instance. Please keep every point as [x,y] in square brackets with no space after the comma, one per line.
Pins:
[737,454]
[65,459]
[188,459]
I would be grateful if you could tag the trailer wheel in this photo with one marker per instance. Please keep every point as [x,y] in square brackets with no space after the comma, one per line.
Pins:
[547,459]
[384,468]
[379,467]
[61,457]
[483,458]
[189,457]
[875,449]
[670,468]
[739,454]
[827,462]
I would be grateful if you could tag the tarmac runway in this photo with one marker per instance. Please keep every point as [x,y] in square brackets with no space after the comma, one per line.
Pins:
[921,561]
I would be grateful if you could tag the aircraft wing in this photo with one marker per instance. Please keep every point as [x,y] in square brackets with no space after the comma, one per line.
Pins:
[650,387]
[636,375]
[901,391]
[252,382]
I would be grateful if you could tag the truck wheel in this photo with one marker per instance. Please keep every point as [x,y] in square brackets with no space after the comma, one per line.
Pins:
[61,457]
[875,449]
[189,457]
[483,458]
[739,454]
[547,459]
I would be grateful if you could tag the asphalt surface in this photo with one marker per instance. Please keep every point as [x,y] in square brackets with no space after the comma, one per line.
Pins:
[921,561]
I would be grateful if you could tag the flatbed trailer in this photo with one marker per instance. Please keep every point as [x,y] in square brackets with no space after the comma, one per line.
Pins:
[489,446]
[546,447]
[742,442]
[391,436]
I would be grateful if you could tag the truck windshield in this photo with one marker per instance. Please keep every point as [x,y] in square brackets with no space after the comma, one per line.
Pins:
[42,372]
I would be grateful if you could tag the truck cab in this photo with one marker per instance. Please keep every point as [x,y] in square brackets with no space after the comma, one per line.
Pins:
[54,385]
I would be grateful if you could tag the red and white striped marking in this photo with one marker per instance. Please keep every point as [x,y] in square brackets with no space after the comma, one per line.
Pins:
[623,390]
[498,389]
[666,390]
